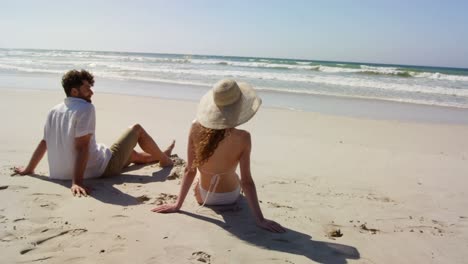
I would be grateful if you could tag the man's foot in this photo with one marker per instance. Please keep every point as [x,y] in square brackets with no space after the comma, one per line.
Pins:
[166,161]
[169,149]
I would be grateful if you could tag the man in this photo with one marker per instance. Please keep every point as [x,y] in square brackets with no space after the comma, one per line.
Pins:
[69,138]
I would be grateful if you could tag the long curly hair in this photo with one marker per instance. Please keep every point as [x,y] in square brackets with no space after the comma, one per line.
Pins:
[208,140]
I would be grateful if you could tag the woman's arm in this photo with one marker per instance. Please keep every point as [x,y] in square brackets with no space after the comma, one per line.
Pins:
[187,180]
[248,186]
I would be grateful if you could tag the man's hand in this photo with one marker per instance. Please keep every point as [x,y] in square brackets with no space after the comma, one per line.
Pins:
[35,159]
[79,190]
[22,171]
[167,208]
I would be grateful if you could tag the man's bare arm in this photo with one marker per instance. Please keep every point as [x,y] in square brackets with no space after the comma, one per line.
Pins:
[82,155]
[35,159]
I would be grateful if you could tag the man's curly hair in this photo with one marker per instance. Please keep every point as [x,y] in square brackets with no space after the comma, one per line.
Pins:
[74,79]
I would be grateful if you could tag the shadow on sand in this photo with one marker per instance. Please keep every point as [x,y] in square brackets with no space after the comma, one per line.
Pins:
[103,189]
[238,222]
[237,219]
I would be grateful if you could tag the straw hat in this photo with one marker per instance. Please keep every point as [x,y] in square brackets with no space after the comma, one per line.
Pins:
[227,105]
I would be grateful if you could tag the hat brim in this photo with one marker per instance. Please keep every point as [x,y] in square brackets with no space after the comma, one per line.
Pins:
[212,116]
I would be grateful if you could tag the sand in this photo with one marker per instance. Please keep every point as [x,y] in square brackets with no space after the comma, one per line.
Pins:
[348,190]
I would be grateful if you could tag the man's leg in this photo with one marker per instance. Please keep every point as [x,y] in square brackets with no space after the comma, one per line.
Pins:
[150,147]
[140,158]
[123,153]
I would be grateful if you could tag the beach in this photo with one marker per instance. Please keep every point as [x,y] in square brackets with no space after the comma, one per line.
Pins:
[393,187]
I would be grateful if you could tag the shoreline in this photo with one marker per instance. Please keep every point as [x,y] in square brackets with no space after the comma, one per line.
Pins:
[325,104]
[162,84]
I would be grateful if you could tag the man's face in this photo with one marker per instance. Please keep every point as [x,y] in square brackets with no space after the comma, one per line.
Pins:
[85,92]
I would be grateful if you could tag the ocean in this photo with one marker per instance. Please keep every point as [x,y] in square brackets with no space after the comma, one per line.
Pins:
[286,81]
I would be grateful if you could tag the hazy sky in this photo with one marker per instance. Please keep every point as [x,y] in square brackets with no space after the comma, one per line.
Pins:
[393,31]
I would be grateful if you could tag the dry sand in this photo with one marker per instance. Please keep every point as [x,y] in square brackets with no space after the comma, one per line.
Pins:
[348,190]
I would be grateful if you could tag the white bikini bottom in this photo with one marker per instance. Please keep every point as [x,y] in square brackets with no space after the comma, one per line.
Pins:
[212,198]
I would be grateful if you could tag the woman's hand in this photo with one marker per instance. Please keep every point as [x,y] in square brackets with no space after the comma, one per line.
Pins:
[271,226]
[167,208]
[79,190]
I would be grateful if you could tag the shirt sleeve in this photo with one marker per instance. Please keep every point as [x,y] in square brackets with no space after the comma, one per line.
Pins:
[45,131]
[46,126]
[85,122]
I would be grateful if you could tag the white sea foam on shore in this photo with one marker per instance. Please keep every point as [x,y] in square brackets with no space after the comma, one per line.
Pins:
[411,84]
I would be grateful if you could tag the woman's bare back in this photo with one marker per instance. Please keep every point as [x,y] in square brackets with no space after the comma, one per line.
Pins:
[224,161]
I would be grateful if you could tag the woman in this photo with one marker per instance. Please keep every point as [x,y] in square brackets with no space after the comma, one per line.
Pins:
[216,148]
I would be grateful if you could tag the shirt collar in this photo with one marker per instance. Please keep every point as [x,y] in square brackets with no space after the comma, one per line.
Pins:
[74,100]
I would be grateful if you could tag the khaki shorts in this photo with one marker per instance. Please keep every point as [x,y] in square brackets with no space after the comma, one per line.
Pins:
[121,151]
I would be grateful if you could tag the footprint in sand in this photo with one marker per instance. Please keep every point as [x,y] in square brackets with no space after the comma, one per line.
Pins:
[44,203]
[279,205]
[201,257]
[40,259]
[7,237]
[375,197]
[420,225]
[165,198]
[119,247]
[41,230]
[364,227]
[47,194]
[119,216]
[177,161]
[368,196]
[143,198]
[178,168]
[37,243]
[176,173]
[12,187]
[333,231]
[44,220]
[424,229]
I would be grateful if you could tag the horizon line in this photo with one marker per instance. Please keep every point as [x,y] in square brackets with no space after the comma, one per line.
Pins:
[239,56]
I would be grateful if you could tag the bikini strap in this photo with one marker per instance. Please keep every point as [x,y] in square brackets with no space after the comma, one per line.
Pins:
[215,182]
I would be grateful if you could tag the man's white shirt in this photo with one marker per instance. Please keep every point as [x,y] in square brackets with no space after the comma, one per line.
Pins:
[71,119]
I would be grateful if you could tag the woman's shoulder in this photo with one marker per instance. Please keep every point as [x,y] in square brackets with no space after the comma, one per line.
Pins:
[243,134]
[195,125]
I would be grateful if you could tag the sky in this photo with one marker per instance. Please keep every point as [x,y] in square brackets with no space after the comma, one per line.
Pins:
[432,33]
